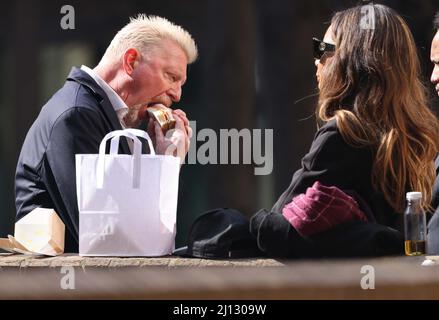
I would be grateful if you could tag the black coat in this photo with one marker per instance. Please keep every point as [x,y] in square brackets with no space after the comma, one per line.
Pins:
[433,225]
[333,162]
[73,121]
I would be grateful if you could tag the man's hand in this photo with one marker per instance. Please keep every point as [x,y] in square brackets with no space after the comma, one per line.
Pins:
[183,117]
[176,142]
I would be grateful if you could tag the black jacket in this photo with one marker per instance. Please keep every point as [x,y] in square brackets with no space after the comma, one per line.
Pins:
[333,162]
[433,225]
[73,121]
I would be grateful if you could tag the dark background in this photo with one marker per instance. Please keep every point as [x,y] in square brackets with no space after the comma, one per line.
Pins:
[255,70]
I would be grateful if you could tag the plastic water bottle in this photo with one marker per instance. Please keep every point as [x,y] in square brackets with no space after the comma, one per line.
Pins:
[415,225]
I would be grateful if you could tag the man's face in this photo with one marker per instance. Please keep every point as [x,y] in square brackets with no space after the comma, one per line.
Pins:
[158,78]
[435,60]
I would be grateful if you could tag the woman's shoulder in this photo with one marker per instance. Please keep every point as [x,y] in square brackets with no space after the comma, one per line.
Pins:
[329,126]
[329,144]
[328,133]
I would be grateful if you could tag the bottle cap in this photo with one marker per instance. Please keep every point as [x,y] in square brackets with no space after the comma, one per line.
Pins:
[414,195]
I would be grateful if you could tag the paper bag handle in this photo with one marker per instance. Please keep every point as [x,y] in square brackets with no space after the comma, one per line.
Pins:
[137,149]
[114,148]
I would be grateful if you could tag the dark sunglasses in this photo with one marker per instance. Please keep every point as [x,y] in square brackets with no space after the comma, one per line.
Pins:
[320,48]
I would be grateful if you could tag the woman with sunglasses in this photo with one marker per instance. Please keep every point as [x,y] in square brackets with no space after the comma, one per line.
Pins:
[377,137]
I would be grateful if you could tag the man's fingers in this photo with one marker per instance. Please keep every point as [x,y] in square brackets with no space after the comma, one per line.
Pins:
[151,132]
[158,132]
[179,112]
[189,132]
[179,124]
[185,126]
[188,144]
[151,129]
[182,115]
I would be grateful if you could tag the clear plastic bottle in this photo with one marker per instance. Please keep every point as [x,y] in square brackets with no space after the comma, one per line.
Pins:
[415,225]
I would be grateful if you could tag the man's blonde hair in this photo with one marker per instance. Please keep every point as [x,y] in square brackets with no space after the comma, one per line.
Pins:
[145,32]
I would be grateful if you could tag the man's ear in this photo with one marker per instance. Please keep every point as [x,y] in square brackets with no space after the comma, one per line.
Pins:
[130,57]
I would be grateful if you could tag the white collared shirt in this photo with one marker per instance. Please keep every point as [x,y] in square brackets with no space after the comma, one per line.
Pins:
[118,104]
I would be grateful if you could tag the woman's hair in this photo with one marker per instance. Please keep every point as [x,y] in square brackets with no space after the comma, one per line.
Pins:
[372,87]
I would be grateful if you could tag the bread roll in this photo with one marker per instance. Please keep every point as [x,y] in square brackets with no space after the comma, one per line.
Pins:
[163,116]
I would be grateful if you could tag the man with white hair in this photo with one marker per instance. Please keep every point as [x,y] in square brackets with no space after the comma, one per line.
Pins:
[144,65]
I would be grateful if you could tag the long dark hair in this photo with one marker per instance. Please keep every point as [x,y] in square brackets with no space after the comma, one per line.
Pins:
[372,87]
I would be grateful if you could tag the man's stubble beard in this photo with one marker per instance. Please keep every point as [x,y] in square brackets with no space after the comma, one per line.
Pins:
[131,118]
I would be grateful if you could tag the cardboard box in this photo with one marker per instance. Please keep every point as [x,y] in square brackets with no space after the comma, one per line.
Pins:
[40,232]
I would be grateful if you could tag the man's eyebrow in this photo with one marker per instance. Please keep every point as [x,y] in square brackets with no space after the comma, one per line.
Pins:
[178,75]
[181,77]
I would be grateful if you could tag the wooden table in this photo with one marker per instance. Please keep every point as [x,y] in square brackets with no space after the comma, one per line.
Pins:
[26,277]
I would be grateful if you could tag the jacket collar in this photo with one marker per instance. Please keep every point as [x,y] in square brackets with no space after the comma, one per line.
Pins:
[84,79]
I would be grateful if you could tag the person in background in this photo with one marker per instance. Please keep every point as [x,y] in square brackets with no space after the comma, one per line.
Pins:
[377,138]
[435,54]
[144,65]
[433,225]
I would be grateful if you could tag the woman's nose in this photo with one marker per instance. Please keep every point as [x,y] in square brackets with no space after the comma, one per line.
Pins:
[316,62]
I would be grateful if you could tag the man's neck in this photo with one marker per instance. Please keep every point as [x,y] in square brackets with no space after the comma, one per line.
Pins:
[111,76]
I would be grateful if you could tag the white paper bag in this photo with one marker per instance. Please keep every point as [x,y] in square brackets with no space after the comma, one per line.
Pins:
[127,203]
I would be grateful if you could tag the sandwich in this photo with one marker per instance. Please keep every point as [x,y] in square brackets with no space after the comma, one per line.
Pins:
[163,116]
